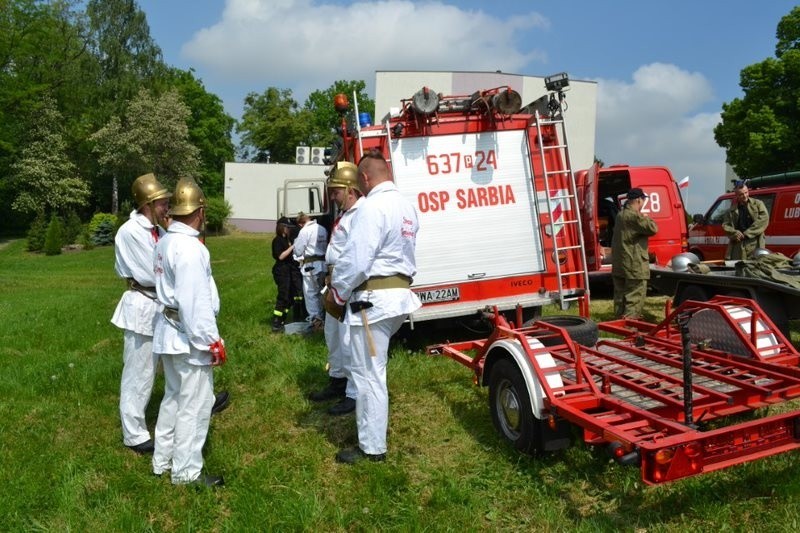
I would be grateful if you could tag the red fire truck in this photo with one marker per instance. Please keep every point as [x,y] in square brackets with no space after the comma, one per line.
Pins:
[500,229]
[496,197]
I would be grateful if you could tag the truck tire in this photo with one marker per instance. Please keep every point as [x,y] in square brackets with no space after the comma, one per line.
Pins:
[580,329]
[510,405]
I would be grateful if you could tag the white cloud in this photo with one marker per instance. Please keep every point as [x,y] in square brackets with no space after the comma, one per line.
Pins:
[306,44]
[655,119]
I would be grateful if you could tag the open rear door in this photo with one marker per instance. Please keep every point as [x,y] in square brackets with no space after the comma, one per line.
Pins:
[302,195]
[587,187]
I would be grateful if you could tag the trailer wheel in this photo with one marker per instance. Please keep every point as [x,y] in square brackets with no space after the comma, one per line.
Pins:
[510,404]
[580,329]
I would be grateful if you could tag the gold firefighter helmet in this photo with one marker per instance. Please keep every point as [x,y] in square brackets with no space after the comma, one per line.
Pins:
[345,175]
[148,189]
[187,199]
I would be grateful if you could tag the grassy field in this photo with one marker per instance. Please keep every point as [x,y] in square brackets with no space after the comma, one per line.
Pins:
[63,466]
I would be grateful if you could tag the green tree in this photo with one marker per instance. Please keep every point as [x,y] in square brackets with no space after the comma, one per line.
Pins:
[151,137]
[761,131]
[325,119]
[217,212]
[209,127]
[128,60]
[54,238]
[36,233]
[272,126]
[120,38]
[43,52]
[44,178]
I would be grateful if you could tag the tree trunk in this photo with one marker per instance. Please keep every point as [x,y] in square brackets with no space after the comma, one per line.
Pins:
[114,196]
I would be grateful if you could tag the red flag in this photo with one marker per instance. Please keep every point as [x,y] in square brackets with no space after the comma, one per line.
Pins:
[684,183]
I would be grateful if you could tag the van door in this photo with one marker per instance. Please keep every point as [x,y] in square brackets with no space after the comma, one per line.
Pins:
[707,240]
[591,223]
[302,195]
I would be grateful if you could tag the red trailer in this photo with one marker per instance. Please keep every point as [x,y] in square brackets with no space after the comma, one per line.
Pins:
[657,395]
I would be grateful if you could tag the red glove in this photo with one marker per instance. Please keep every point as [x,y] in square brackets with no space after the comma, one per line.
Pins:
[218,353]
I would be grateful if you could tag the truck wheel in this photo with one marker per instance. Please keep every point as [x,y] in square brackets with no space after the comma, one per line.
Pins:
[580,329]
[692,292]
[510,404]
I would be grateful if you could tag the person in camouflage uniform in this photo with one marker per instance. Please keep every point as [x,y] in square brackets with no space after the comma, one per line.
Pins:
[630,268]
[745,224]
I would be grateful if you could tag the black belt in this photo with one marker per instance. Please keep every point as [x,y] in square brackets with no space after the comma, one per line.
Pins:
[134,285]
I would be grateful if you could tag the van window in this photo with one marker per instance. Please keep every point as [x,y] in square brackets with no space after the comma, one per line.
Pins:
[768,200]
[717,213]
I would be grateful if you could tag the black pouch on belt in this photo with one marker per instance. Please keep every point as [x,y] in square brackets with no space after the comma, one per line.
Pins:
[357,307]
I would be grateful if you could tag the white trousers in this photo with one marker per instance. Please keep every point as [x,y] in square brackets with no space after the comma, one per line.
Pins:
[312,288]
[369,375]
[183,418]
[138,374]
[338,353]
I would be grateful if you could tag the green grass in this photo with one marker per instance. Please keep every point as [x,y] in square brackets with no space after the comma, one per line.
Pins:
[63,466]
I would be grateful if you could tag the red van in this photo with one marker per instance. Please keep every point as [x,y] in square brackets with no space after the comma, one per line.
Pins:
[603,191]
[780,194]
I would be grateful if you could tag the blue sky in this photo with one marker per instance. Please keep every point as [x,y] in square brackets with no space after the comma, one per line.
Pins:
[663,68]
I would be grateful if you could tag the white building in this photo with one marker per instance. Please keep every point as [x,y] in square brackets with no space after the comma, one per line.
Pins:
[252,188]
[252,191]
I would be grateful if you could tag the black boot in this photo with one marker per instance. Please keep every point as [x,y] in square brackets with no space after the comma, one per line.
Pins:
[347,405]
[299,311]
[277,324]
[335,389]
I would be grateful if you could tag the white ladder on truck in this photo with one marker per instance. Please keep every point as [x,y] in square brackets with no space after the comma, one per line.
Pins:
[570,219]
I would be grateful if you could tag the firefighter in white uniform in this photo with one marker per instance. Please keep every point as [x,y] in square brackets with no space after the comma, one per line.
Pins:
[136,311]
[187,339]
[343,190]
[372,277]
[309,251]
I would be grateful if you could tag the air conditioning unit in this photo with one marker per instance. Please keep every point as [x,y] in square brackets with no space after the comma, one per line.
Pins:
[317,155]
[302,155]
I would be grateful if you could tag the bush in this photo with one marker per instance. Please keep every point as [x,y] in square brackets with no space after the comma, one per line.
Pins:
[54,238]
[72,228]
[217,212]
[102,228]
[99,218]
[104,234]
[85,239]
[36,233]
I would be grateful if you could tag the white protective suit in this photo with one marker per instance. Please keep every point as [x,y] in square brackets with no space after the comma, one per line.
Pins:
[338,352]
[184,283]
[135,314]
[309,251]
[382,242]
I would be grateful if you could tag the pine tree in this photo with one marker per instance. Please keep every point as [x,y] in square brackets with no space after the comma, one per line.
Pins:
[54,238]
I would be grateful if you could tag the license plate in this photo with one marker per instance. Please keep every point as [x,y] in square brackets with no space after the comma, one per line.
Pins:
[447,294]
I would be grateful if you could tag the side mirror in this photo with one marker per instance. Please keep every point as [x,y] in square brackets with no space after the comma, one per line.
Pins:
[699,219]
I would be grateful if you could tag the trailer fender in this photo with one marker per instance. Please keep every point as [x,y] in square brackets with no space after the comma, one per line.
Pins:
[511,348]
